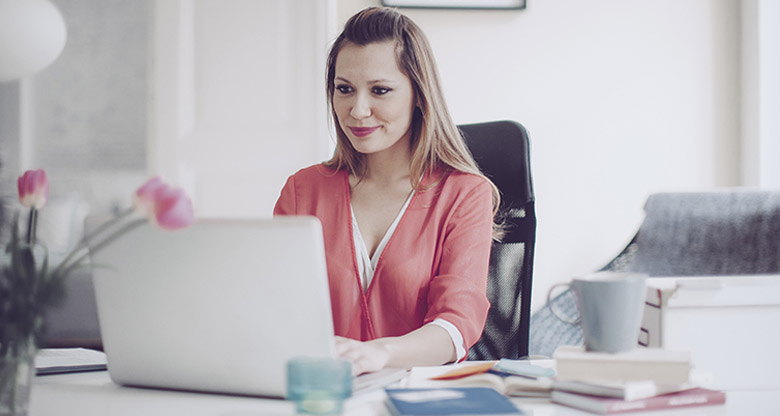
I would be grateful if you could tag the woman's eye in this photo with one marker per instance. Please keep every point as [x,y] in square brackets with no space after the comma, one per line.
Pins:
[344,89]
[380,90]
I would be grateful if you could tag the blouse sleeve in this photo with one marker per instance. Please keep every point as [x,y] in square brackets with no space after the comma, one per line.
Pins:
[458,294]
[286,204]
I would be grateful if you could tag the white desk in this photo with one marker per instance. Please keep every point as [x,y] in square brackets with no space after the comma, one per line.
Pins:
[94,394]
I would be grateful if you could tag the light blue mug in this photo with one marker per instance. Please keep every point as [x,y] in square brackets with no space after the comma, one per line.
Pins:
[610,306]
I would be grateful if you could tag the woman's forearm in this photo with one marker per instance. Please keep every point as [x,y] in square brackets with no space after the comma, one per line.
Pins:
[428,345]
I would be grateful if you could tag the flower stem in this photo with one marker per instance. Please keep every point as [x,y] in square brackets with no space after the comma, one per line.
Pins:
[104,226]
[84,242]
[98,246]
[32,225]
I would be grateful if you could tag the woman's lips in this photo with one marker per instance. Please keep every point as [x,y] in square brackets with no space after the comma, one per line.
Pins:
[363,131]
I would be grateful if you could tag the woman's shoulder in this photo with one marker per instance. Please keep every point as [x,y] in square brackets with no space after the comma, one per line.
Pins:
[452,188]
[458,180]
[318,173]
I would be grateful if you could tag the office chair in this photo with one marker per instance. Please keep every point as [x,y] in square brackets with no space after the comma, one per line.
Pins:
[720,233]
[501,149]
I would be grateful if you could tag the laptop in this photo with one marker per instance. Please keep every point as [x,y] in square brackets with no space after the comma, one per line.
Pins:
[218,307]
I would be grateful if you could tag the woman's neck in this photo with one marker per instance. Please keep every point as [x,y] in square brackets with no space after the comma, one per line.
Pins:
[384,170]
[390,165]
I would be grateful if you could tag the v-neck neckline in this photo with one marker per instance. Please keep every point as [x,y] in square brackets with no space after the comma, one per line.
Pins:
[375,259]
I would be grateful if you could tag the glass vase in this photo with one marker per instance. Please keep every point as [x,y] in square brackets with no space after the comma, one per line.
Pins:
[17,369]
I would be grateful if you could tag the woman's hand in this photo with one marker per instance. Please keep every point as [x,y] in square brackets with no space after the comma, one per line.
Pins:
[365,356]
[428,345]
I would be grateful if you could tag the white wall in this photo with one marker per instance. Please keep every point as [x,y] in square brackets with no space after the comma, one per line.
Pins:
[622,98]
[238,98]
[761,92]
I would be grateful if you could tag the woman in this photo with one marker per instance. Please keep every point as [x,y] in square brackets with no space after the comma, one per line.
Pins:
[406,214]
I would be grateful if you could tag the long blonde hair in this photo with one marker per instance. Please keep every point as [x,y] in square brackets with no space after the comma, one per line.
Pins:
[436,142]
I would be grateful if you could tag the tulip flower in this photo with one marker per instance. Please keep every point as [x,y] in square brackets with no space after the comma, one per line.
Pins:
[33,189]
[170,208]
[173,209]
[144,197]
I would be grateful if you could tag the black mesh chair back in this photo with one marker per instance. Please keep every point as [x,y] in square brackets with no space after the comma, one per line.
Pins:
[501,149]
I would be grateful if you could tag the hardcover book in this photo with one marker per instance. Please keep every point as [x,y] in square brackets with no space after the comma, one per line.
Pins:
[608,405]
[456,401]
[657,365]
[630,390]
[69,360]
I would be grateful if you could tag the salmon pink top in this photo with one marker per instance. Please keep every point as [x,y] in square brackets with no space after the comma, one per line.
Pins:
[435,264]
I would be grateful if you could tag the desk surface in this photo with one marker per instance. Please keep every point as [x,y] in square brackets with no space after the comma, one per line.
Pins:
[95,394]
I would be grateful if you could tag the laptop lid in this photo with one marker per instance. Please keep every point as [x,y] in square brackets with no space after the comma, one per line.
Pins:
[219,306]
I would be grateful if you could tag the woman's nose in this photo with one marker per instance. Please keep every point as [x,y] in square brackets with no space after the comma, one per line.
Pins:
[361,108]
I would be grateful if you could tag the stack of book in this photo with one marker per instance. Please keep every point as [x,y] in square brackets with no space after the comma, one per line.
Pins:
[639,380]
[469,388]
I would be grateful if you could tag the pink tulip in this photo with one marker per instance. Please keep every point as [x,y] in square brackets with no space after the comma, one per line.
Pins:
[173,209]
[144,197]
[170,208]
[33,189]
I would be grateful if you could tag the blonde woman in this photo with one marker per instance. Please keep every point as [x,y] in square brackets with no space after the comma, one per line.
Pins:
[406,214]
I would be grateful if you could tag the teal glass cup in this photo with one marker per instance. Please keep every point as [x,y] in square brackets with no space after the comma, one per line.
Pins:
[319,385]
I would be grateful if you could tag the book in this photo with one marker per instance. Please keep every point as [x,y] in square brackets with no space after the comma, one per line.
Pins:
[610,405]
[510,385]
[69,360]
[523,368]
[629,390]
[460,401]
[654,364]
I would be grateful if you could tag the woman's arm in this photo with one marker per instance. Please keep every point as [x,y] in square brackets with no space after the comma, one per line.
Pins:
[427,345]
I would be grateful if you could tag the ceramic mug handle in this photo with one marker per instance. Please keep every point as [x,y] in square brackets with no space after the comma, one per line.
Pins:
[552,309]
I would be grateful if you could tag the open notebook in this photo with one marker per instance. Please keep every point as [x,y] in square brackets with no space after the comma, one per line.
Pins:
[219,306]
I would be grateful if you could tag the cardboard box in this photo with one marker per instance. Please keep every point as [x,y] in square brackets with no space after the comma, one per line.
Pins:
[731,326]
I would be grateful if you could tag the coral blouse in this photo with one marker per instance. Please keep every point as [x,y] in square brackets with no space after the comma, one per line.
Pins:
[435,264]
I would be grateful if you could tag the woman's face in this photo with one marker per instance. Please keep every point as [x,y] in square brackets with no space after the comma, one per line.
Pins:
[372,98]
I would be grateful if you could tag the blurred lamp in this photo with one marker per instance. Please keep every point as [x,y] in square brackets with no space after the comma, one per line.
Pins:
[32,36]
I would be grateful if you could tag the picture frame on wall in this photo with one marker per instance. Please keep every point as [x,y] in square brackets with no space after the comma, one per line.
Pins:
[457,4]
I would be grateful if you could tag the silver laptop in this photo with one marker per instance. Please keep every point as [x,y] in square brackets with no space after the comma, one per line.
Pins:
[219,306]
